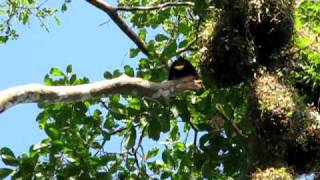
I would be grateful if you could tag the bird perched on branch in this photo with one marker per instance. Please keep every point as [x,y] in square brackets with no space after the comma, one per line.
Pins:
[181,68]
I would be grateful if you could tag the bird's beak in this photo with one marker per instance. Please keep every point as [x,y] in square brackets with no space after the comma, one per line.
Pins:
[179,67]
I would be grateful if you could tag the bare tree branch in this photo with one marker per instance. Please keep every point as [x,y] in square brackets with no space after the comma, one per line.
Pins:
[155,7]
[112,12]
[123,84]
[159,6]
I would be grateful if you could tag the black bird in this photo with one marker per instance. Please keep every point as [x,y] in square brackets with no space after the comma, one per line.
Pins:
[181,68]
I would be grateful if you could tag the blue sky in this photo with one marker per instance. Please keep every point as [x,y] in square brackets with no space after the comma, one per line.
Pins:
[79,40]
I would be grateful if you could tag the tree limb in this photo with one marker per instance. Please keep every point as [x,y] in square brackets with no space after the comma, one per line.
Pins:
[123,84]
[112,12]
[159,6]
[155,7]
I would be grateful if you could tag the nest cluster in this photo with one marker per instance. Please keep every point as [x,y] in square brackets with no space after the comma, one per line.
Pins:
[246,35]
[271,25]
[285,121]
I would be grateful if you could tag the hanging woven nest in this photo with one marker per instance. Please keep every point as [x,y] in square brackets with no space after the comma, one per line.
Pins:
[271,26]
[227,59]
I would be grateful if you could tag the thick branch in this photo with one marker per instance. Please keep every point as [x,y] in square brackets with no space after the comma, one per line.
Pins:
[112,12]
[123,84]
[155,7]
[159,6]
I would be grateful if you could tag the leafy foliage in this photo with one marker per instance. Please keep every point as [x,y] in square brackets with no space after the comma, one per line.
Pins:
[23,11]
[307,23]
[199,134]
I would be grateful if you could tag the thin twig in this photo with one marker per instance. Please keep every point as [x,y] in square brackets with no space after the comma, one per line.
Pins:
[186,48]
[140,141]
[187,136]
[112,133]
[195,140]
[195,129]
[235,127]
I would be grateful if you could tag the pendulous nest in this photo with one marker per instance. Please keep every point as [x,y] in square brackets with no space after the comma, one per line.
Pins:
[271,25]
[246,36]
[287,122]
[227,59]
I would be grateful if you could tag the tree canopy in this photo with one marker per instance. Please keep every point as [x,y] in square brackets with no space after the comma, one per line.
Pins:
[256,115]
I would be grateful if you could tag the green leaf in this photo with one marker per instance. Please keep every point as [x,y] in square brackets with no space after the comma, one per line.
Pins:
[165,156]
[154,130]
[153,153]
[25,2]
[184,28]
[302,42]
[174,133]
[105,176]
[135,104]
[116,73]
[115,98]
[24,17]
[146,75]
[3,39]
[69,68]
[4,172]
[109,123]
[57,20]
[96,145]
[183,43]
[106,135]
[131,138]
[52,132]
[161,37]
[56,72]
[165,124]
[48,80]
[118,111]
[159,74]
[166,175]
[179,146]
[107,75]
[42,118]
[170,50]
[144,63]
[57,144]
[8,157]
[129,70]
[143,34]
[134,52]
[64,7]
[169,158]
[73,79]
